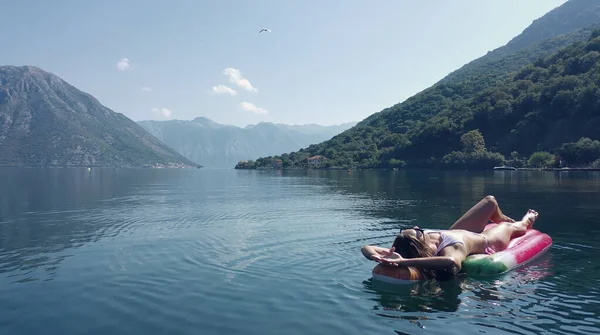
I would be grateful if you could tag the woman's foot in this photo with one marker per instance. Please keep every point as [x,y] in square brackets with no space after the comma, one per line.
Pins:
[530,218]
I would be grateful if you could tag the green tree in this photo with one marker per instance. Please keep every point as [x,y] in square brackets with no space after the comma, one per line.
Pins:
[584,151]
[396,163]
[472,141]
[541,159]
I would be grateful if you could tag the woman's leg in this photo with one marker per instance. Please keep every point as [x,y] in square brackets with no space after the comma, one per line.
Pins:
[499,236]
[476,218]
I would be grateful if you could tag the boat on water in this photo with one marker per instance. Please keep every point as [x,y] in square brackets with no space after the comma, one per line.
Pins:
[499,168]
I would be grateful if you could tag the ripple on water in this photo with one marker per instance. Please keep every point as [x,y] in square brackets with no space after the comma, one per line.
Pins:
[517,302]
[279,255]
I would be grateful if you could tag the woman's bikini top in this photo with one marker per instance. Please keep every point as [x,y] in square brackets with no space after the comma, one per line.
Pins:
[448,240]
[445,240]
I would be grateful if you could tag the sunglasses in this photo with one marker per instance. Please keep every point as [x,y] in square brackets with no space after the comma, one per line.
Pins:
[417,230]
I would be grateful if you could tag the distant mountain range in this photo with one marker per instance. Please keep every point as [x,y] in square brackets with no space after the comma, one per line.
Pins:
[44,121]
[222,146]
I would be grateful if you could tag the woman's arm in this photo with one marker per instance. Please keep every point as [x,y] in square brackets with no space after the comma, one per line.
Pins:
[448,263]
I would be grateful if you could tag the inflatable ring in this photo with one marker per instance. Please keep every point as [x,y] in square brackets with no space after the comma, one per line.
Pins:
[521,250]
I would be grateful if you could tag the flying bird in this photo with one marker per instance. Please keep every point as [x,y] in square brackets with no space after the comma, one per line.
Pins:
[267,30]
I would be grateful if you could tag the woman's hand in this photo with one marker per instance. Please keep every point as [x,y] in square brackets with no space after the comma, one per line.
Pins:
[390,258]
[380,253]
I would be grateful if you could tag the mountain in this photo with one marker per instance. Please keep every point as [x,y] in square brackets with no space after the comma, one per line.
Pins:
[488,100]
[315,129]
[570,16]
[572,21]
[44,121]
[222,146]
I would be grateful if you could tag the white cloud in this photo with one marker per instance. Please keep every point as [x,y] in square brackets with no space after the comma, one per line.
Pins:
[147,89]
[235,76]
[250,107]
[222,89]
[163,111]
[124,64]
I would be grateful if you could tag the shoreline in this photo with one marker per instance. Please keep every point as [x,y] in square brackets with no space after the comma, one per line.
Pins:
[407,169]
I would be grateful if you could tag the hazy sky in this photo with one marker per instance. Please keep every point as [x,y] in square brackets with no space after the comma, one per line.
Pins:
[325,62]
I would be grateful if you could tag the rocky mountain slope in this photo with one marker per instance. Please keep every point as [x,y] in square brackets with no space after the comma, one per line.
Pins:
[45,121]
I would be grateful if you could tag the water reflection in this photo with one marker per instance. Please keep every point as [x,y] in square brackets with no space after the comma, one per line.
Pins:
[501,302]
[436,199]
[447,296]
[44,212]
[426,296]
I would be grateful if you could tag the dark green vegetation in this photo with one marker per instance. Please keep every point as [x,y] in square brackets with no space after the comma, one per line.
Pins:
[44,121]
[501,109]
[216,145]
[573,21]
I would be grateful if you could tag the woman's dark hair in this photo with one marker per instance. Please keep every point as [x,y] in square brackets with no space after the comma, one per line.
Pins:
[411,247]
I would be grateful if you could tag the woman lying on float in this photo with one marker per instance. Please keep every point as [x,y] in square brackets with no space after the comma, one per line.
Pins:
[441,253]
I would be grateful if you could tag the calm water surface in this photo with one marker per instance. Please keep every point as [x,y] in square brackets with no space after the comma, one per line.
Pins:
[125,251]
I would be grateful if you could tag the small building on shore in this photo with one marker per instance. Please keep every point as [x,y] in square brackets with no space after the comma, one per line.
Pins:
[316,161]
[277,163]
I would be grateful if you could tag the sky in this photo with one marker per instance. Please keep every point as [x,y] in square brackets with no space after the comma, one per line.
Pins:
[324,62]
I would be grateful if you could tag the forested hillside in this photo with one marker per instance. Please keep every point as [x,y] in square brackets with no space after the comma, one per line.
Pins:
[570,22]
[479,121]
